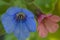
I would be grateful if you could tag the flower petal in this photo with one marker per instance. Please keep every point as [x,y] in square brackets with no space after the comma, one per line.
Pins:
[54,18]
[8,23]
[28,13]
[42,30]
[21,32]
[51,26]
[40,18]
[31,24]
[13,10]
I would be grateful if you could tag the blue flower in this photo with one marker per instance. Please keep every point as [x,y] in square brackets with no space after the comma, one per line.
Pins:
[19,21]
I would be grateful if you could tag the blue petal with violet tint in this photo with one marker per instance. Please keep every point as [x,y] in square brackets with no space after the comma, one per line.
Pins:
[8,23]
[28,13]
[13,10]
[21,32]
[22,28]
[31,24]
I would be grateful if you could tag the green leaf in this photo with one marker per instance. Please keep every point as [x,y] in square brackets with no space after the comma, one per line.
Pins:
[29,0]
[8,1]
[33,36]
[45,5]
[3,3]
[3,9]
[10,37]
[19,3]
[57,8]
[2,31]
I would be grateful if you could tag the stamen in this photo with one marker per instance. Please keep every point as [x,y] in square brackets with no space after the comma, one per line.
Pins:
[20,16]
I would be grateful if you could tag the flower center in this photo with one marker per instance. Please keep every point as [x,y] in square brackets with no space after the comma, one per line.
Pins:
[20,16]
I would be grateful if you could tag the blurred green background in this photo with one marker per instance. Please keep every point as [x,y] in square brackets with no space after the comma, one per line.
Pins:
[46,6]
